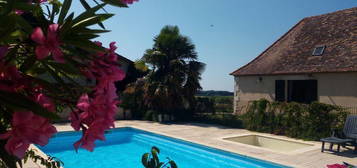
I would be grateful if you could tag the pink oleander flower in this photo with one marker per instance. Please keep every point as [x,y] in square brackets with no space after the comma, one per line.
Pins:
[95,112]
[83,102]
[129,1]
[19,12]
[10,78]
[48,45]
[336,166]
[105,67]
[93,133]
[27,128]
[45,102]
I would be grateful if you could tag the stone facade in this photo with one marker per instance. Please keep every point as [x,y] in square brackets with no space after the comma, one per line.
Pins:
[332,88]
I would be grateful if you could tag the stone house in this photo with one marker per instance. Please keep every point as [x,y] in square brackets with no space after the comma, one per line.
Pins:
[316,60]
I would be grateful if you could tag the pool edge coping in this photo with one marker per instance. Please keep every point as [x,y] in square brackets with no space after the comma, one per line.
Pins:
[216,147]
[313,145]
[68,128]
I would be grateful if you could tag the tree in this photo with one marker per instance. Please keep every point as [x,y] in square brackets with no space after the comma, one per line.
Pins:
[46,53]
[175,72]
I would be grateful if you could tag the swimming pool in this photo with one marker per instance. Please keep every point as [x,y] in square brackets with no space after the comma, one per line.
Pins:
[125,146]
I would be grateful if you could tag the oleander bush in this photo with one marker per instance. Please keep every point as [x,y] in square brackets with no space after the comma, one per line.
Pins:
[305,121]
[51,63]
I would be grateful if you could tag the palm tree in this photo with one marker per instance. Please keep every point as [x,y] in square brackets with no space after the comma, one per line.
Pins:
[175,72]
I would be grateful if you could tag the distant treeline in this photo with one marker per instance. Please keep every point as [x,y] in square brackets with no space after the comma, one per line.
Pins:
[212,101]
[214,93]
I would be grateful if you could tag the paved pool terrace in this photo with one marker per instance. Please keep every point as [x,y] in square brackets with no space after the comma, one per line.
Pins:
[212,136]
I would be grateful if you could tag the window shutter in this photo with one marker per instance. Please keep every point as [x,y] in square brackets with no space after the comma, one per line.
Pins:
[279,90]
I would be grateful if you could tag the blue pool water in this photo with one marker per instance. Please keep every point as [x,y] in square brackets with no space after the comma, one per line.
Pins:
[125,146]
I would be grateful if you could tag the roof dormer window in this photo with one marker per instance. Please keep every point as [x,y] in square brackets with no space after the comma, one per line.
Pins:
[318,51]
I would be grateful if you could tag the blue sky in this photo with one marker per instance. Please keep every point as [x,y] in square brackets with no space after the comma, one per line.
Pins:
[241,29]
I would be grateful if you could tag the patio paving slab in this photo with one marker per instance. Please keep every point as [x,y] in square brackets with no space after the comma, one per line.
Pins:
[212,136]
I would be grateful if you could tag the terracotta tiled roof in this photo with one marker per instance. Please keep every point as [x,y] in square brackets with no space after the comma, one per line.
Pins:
[292,53]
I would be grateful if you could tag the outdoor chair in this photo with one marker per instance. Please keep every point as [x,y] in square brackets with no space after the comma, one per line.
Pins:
[348,137]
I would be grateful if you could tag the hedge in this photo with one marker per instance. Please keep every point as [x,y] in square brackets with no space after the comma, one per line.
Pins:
[305,121]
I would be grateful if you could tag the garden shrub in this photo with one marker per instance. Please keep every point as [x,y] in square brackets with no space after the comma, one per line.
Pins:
[306,121]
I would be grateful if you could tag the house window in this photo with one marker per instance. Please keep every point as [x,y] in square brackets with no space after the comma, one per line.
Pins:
[279,90]
[302,91]
[318,50]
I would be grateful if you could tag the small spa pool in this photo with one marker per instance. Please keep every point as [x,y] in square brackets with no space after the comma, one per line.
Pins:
[275,144]
[125,146]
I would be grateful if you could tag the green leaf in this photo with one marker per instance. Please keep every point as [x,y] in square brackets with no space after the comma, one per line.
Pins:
[92,31]
[98,18]
[23,24]
[88,13]
[55,10]
[26,158]
[29,62]
[152,163]
[154,153]
[67,68]
[160,164]
[36,70]
[64,11]
[89,9]
[156,149]
[47,85]
[67,25]
[11,55]
[6,7]
[172,164]
[96,2]
[24,6]
[48,10]
[84,36]
[86,45]
[21,101]
[20,163]
[56,76]
[101,25]
[144,159]
[117,3]
[85,4]
[69,78]
[7,25]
